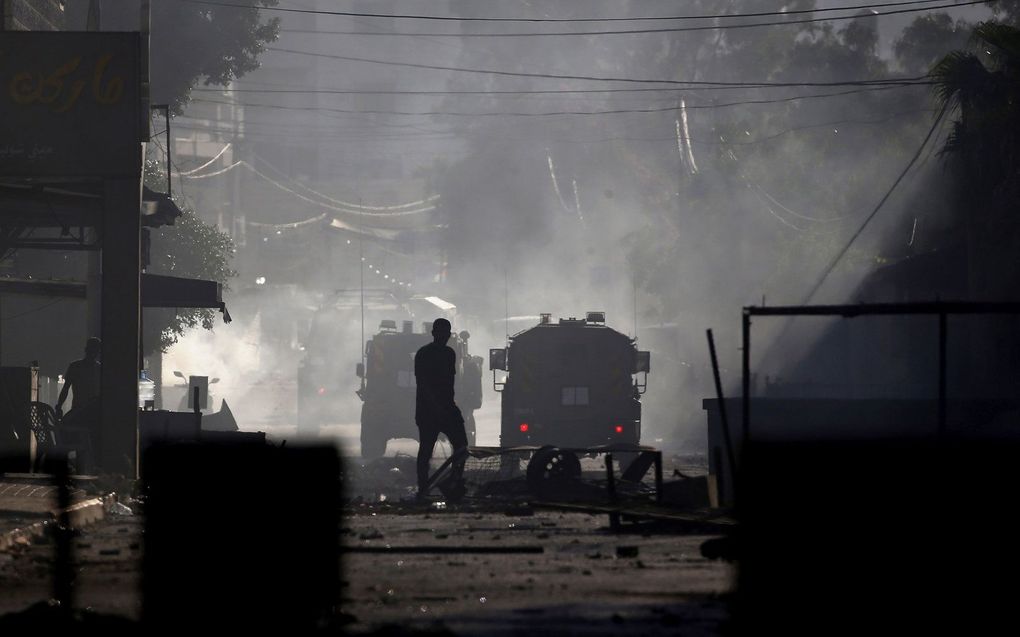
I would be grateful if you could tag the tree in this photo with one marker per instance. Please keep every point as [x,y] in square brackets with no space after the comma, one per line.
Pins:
[204,42]
[190,42]
[982,85]
[927,39]
[190,249]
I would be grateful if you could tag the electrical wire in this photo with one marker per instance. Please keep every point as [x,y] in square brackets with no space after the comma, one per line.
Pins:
[437,18]
[615,111]
[435,135]
[662,30]
[518,93]
[924,79]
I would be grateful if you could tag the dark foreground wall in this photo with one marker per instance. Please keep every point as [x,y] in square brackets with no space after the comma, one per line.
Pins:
[878,537]
[240,538]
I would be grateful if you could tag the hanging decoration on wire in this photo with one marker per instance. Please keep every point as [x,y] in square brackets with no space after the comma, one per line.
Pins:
[425,205]
[394,209]
[555,183]
[577,201]
[683,140]
[185,173]
[289,226]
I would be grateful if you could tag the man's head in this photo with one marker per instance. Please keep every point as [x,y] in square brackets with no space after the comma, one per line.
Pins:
[441,331]
[93,347]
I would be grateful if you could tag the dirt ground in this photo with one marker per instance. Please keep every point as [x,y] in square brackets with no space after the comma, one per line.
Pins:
[487,567]
[584,580]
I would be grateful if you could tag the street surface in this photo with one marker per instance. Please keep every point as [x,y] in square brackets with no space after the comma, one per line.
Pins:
[464,576]
[585,580]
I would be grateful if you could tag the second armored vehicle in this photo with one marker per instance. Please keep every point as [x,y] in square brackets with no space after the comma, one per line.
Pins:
[574,384]
[388,384]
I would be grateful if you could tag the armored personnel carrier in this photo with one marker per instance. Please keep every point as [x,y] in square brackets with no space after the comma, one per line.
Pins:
[388,384]
[575,383]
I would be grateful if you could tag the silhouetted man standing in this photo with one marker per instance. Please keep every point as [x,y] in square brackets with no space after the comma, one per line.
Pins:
[82,377]
[435,367]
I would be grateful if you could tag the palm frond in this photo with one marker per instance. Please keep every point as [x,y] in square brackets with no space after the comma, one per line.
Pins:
[959,76]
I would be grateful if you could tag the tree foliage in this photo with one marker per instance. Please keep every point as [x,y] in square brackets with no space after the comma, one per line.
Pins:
[203,42]
[192,43]
[191,249]
[981,86]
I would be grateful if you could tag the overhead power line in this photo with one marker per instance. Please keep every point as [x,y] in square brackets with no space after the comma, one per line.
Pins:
[615,111]
[703,85]
[680,29]
[509,92]
[321,134]
[447,18]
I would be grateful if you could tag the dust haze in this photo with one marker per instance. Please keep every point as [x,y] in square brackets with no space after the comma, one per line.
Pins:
[667,205]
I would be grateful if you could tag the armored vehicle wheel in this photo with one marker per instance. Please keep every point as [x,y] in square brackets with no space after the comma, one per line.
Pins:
[373,443]
[551,469]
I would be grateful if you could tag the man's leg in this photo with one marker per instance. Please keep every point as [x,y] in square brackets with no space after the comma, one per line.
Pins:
[427,436]
[458,439]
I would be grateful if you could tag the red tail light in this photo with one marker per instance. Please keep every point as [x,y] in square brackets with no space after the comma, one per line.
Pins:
[322,391]
[618,429]
[524,427]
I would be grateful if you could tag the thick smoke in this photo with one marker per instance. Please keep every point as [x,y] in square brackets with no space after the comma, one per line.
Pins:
[678,206]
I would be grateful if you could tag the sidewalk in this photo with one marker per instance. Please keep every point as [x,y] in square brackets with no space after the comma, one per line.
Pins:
[28,505]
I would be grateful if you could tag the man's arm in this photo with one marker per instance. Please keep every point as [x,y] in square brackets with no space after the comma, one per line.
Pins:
[63,392]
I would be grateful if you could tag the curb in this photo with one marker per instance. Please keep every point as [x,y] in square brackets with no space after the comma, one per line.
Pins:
[80,514]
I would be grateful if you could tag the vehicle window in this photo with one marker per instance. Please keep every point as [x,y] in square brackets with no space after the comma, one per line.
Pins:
[572,396]
[405,379]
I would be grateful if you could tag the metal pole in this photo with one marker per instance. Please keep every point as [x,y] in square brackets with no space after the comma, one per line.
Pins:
[361,254]
[614,516]
[746,355]
[942,373]
[198,412]
[610,477]
[658,477]
[727,441]
[169,152]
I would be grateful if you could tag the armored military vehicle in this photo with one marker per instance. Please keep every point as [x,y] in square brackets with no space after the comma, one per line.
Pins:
[388,384]
[575,383]
[325,395]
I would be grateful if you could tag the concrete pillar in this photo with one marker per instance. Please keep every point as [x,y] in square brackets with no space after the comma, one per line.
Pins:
[117,447]
[93,283]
